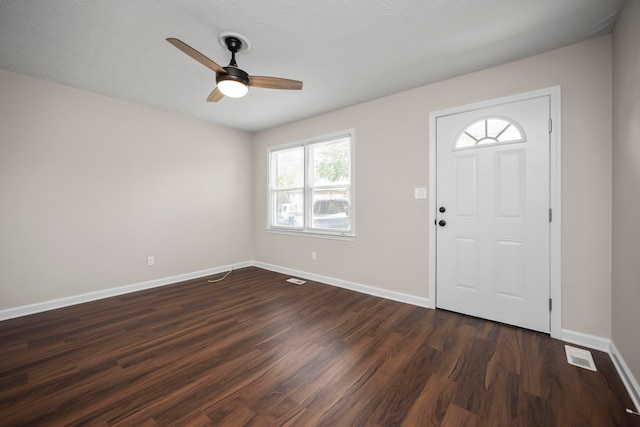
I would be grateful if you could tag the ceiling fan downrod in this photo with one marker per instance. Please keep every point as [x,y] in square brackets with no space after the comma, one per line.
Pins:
[234,45]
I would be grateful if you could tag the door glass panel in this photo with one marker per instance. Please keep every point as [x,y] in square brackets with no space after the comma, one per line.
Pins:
[489,131]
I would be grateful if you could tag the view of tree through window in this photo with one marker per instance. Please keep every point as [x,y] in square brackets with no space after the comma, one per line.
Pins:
[331,162]
[290,168]
[318,201]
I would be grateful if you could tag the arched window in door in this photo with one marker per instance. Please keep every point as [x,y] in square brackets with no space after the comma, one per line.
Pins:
[489,131]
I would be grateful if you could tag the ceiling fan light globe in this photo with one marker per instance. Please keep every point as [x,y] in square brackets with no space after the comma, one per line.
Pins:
[233,88]
[234,83]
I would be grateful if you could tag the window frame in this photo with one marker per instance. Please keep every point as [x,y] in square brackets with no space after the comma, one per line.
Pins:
[307,189]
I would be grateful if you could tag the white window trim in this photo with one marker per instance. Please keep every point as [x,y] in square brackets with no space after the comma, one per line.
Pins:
[308,232]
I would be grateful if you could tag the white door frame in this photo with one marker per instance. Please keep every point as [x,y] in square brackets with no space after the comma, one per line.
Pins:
[555,291]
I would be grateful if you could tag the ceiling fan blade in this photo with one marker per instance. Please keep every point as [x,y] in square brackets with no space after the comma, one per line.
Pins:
[196,55]
[275,83]
[215,96]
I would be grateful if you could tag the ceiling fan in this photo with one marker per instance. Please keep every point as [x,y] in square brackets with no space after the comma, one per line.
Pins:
[231,80]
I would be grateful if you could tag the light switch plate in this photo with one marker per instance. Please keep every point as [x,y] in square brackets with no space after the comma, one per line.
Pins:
[420,192]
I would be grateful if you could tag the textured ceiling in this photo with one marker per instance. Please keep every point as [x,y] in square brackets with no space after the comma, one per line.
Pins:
[345,51]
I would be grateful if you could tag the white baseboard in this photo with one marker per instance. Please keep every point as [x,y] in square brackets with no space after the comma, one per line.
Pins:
[93,296]
[365,289]
[586,340]
[627,377]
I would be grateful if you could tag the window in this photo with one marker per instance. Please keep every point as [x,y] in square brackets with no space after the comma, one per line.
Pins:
[489,131]
[310,186]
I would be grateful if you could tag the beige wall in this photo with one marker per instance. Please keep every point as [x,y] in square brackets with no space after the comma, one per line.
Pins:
[626,186]
[392,136]
[91,186]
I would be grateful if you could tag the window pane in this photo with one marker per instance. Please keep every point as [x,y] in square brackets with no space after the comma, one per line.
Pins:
[289,168]
[331,162]
[476,130]
[289,208]
[331,209]
[465,141]
[511,133]
[496,127]
[503,131]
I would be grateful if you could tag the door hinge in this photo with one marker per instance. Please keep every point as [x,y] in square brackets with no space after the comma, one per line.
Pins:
[550,214]
[550,124]
[550,304]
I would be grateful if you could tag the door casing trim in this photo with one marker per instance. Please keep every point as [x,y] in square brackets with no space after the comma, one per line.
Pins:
[555,266]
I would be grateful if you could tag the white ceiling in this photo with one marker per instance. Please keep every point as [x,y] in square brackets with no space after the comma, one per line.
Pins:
[345,51]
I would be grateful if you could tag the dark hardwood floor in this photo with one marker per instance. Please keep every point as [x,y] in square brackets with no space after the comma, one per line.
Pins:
[256,350]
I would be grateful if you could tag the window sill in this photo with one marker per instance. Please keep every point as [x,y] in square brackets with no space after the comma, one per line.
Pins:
[315,235]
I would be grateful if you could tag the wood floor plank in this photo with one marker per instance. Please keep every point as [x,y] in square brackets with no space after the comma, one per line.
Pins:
[456,417]
[254,350]
[431,405]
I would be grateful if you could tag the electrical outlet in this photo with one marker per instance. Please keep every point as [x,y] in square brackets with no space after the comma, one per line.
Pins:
[314,256]
[151,261]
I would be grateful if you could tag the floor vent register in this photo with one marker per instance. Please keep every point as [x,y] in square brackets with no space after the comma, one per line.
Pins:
[579,357]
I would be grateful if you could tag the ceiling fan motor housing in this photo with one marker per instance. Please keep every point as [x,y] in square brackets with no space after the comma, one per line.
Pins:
[233,73]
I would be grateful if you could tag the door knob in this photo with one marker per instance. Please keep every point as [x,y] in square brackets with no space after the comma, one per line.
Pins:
[442,209]
[442,223]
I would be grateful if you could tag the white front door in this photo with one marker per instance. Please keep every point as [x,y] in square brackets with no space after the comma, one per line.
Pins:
[492,201]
